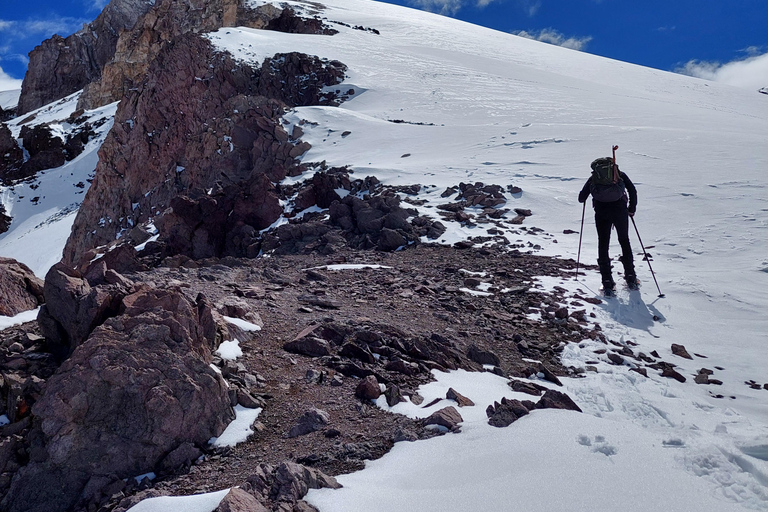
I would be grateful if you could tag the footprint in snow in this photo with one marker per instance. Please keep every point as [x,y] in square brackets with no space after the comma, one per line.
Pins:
[598,445]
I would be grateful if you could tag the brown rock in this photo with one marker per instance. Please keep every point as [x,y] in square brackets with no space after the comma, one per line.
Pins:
[368,388]
[668,371]
[527,387]
[553,399]
[679,350]
[308,346]
[237,500]
[311,421]
[447,417]
[457,397]
[481,356]
[111,408]
[20,289]
[505,413]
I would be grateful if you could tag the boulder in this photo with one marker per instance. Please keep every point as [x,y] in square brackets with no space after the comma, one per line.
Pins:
[287,483]
[20,289]
[311,421]
[237,500]
[139,388]
[73,309]
[447,417]
[505,413]
[308,346]
[460,399]
[553,399]
[481,356]
[368,388]
[679,350]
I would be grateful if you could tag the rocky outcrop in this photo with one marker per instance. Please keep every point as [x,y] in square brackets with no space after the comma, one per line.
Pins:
[5,220]
[130,396]
[200,123]
[61,66]
[20,289]
[74,308]
[11,155]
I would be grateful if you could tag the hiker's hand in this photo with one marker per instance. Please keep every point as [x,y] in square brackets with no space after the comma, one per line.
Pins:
[631,214]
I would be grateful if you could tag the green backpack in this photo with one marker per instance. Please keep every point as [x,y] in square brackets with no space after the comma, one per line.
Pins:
[607,185]
[602,172]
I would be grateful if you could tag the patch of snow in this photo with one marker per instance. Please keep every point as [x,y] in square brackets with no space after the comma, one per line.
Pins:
[207,502]
[21,318]
[229,350]
[240,428]
[243,324]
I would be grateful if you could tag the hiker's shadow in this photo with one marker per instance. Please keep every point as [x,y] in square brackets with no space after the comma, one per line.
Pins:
[628,308]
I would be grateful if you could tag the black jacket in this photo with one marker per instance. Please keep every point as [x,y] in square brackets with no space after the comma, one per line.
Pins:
[600,206]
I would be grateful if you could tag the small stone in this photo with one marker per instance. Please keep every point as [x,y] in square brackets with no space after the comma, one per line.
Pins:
[368,389]
[669,372]
[311,421]
[447,417]
[679,350]
[460,399]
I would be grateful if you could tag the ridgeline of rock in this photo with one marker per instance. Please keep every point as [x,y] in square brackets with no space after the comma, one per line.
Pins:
[60,66]
[200,121]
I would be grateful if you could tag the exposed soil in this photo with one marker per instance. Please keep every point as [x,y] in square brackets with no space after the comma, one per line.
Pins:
[415,308]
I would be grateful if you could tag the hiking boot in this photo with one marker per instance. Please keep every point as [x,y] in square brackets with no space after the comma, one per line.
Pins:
[605,273]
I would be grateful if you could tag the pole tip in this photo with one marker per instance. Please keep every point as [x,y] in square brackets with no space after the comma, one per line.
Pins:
[661,295]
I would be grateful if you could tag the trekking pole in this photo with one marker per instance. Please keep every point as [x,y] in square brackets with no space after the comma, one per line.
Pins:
[647,258]
[615,167]
[581,232]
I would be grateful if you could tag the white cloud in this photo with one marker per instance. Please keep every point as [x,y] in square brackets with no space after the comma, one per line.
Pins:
[552,36]
[7,83]
[748,73]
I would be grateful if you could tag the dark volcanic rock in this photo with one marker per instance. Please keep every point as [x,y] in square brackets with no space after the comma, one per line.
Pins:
[45,150]
[505,413]
[5,220]
[20,289]
[553,399]
[311,421]
[11,156]
[140,387]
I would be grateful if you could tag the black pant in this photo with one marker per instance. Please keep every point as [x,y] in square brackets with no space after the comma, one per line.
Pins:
[605,219]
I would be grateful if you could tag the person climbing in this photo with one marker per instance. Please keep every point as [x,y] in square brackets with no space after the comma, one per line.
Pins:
[609,188]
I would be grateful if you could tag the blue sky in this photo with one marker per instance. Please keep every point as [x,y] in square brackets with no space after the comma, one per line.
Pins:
[716,39]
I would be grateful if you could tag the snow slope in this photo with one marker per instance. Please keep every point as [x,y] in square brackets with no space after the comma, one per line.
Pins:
[43,209]
[481,105]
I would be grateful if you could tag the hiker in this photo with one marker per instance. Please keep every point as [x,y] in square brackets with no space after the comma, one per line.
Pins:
[609,188]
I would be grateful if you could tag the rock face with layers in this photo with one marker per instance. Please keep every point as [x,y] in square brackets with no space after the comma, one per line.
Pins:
[20,289]
[166,20]
[61,66]
[136,391]
[198,125]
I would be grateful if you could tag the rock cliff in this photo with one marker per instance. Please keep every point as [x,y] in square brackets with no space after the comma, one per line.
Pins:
[199,121]
[60,66]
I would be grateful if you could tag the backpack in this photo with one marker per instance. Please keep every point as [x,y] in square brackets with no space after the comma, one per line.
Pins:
[606,187]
